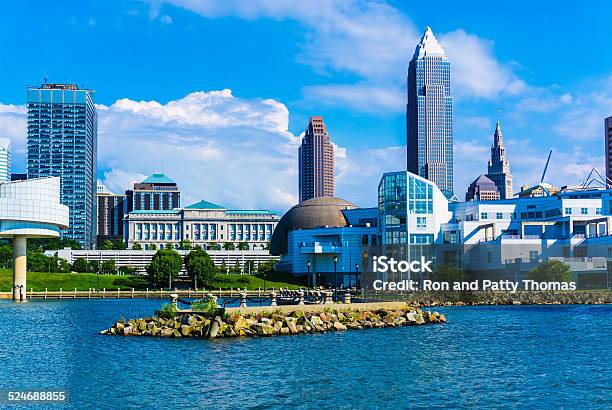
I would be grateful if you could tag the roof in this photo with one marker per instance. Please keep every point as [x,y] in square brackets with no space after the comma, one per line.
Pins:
[249,212]
[158,179]
[313,213]
[428,46]
[204,205]
[155,211]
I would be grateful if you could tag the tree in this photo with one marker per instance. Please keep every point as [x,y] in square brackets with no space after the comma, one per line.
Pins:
[236,269]
[107,245]
[53,244]
[223,267]
[266,267]
[38,262]
[228,246]
[214,246]
[94,266]
[127,270]
[185,245]
[169,246]
[165,265]
[249,267]
[243,246]
[63,265]
[80,265]
[200,267]
[118,245]
[551,271]
[136,247]
[152,247]
[449,273]
[6,255]
[108,267]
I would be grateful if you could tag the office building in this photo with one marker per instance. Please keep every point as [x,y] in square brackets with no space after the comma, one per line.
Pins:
[430,114]
[316,162]
[157,192]
[5,160]
[499,166]
[482,189]
[62,141]
[111,210]
[608,139]
[204,224]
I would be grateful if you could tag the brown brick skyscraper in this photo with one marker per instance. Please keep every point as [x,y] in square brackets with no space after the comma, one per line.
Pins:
[316,161]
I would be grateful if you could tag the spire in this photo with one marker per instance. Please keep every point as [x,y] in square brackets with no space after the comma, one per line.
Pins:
[497,137]
[428,46]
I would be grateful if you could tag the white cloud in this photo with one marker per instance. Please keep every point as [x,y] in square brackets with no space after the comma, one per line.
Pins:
[474,68]
[372,40]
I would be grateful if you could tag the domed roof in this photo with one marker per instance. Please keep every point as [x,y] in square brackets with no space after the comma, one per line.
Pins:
[313,213]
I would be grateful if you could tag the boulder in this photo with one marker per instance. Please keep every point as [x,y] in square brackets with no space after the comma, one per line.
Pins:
[339,326]
[185,330]
[291,325]
[263,330]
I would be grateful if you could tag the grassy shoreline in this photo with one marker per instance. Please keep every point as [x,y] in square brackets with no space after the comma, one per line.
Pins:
[39,281]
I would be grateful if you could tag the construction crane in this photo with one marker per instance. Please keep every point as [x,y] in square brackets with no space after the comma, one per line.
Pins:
[546,167]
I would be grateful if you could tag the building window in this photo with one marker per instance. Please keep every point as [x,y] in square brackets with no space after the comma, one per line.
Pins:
[568,211]
[598,211]
[533,256]
[499,215]
[584,211]
[421,222]
[484,215]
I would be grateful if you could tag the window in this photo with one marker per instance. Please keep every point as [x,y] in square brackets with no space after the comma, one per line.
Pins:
[584,211]
[499,215]
[568,211]
[484,215]
[533,256]
[421,222]
[598,211]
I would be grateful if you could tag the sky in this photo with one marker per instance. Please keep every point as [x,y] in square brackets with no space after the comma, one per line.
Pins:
[217,93]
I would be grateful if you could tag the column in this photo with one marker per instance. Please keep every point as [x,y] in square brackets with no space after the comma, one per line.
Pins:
[19,268]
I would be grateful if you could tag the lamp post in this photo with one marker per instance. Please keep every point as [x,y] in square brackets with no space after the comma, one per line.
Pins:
[335,274]
[308,266]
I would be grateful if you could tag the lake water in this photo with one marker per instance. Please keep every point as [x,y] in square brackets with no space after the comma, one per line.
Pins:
[514,356]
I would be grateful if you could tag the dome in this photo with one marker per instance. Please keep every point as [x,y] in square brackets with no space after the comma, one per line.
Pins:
[313,213]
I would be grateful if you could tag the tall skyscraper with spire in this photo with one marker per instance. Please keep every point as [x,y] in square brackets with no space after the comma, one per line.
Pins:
[430,114]
[499,166]
[316,161]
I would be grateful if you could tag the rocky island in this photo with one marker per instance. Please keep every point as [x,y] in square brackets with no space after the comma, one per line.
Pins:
[293,320]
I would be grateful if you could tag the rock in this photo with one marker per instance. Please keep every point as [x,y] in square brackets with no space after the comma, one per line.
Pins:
[316,320]
[166,332]
[214,329]
[119,326]
[339,326]
[323,317]
[263,330]
[240,323]
[284,331]
[142,326]
[127,330]
[185,330]
[176,333]
[290,322]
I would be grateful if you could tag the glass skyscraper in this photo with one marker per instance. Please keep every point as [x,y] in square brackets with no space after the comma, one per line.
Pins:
[430,114]
[5,160]
[62,141]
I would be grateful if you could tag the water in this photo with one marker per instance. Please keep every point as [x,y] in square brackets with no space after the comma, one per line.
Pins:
[514,356]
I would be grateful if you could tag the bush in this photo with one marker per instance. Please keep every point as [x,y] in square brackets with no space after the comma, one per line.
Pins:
[207,305]
[243,279]
[168,311]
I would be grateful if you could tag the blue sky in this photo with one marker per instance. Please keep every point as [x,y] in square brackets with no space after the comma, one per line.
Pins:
[547,65]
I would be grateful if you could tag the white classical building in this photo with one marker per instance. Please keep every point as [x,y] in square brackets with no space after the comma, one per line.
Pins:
[202,223]
[29,209]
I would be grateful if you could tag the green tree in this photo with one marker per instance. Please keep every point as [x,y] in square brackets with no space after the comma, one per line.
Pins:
[108,267]
[551,271]
[107,245]
[449,273]
[63,265]
[266,267]
[127,270]
[249,267]
[185,245]
[152,247]
[228,246]
[169,246]
[53,244]
[223,267]
[200,267]
[38,262]
[214,246]
[6,255]
[236,269]
[93,266]
[118,245]
[80,265]
[136,247]
[243,246]
[165,265]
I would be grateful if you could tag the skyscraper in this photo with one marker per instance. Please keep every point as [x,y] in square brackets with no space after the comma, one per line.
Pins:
[111,210]
[62,141]
[5,160]
[608,137]
[156,192]
[316,161]
[430,114]
[499,166]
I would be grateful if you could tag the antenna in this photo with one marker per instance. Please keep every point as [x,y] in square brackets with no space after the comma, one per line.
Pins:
[45,80]
[546,167]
